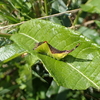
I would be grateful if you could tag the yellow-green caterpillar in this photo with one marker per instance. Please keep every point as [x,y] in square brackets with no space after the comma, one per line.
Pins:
[46,48]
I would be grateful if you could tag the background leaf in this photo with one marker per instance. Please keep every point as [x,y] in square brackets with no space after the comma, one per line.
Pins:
[91,6]
[59,6]
[9,52]
[90,33]
[79,70]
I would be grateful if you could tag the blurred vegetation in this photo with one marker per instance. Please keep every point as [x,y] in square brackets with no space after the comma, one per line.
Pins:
[13,74]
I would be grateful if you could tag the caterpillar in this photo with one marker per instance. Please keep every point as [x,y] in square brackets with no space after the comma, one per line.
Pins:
[47,49]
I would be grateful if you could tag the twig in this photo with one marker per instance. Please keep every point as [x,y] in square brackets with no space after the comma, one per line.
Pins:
[76,26]
[5,35]
[58,14]
[88,22]
[84,24]
[12,25]
[89,96]
[69,2]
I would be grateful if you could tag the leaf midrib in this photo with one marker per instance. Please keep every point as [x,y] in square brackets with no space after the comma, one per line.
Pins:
[84,75]
[29,37]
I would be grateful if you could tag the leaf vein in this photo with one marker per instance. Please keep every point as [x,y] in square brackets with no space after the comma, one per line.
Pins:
[84,76]
[29,37]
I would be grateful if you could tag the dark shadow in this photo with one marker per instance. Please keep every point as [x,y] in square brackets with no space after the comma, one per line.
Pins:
[71,59]
[63,18]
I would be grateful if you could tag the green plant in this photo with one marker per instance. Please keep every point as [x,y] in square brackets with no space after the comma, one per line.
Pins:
[26,74]
[78,65]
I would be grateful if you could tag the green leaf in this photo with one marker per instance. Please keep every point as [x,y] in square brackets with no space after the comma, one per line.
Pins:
[90,33]
[9,52]
[79,70]
[25,77]
[25,73]
[91,6]
[59,6]
[98,23]
[60,92]
[6,90]
[53,89]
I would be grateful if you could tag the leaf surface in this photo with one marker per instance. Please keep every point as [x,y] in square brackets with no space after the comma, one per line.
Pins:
[91,6]
[9,52]
[79,70]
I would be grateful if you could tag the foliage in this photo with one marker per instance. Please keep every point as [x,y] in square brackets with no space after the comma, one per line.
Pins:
[91,6]
[79,64]
[26,74]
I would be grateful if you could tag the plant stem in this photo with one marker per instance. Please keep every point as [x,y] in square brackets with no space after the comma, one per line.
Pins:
[58,14]
[5,35]
[77,17]
[46,9]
